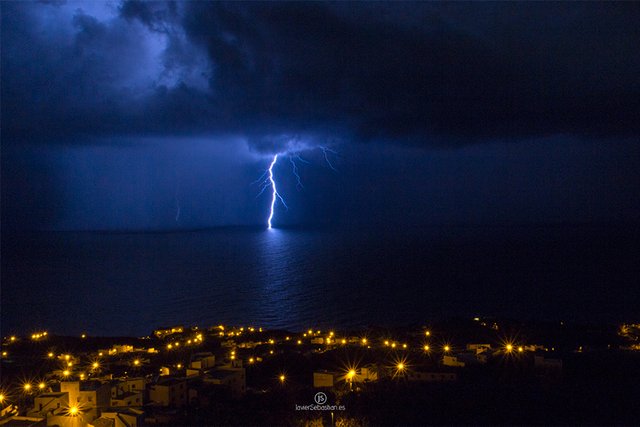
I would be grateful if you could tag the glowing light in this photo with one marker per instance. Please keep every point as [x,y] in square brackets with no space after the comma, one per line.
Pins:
[427,333]
[95,365]
[4,353]
[13,338]
[251,360]
[84,336]
[509,348]
[426,348]
[73,411]
[136,362]
[299,342]
[1,397]
[404,346]
[400,366]
[386,342]
[520,349]
[364,341]
[351,374]
[343,341]
[393,345]
[41,386]
[66,373]
[50,355]
[282,378]
[67,357]
[27,387]
[331,334]
[179,366]
[274,194]
[446,348]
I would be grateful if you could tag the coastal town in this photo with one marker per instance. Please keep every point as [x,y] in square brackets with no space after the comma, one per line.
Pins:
[225,375]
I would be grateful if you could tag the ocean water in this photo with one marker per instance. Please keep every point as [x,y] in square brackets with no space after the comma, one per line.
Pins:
[130,283]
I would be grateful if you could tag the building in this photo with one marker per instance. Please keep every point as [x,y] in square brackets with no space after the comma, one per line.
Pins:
[164,332]
[479,348]
[128,385]
[128,399]
[120,417]
[47,403]
[87,394]
[232,378]
[452,361]
[327,379]
[169,392]
[202,361]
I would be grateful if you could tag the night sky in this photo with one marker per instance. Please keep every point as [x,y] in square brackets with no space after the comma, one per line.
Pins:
[117,114]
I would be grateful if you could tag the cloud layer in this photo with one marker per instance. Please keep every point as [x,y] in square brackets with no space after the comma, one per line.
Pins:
[422,74]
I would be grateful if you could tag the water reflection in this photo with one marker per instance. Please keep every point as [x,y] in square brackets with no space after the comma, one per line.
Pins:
[278,295]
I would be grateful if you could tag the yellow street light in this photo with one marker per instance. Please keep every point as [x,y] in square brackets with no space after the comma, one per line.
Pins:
[41,386]
[282,378]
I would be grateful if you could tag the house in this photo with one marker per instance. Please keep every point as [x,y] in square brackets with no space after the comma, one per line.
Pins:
[326,378]
[448,360]
[163,332]
[88,394]
[47,403]
[169,392]
[121,417]
[201,362]
[479,348]
[128,399]
[232,378]
[128,385]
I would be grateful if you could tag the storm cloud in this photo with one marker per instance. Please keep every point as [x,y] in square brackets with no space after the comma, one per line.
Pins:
[159,115]
[410,73]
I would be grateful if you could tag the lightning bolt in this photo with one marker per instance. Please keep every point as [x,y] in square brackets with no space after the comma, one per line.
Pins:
[295,172]
[326,158]
[274,194]
[267,180]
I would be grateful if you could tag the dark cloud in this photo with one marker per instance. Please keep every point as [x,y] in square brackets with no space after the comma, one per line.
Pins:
[417,73]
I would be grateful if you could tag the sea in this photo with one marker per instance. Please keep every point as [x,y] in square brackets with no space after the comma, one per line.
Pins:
[129,283]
